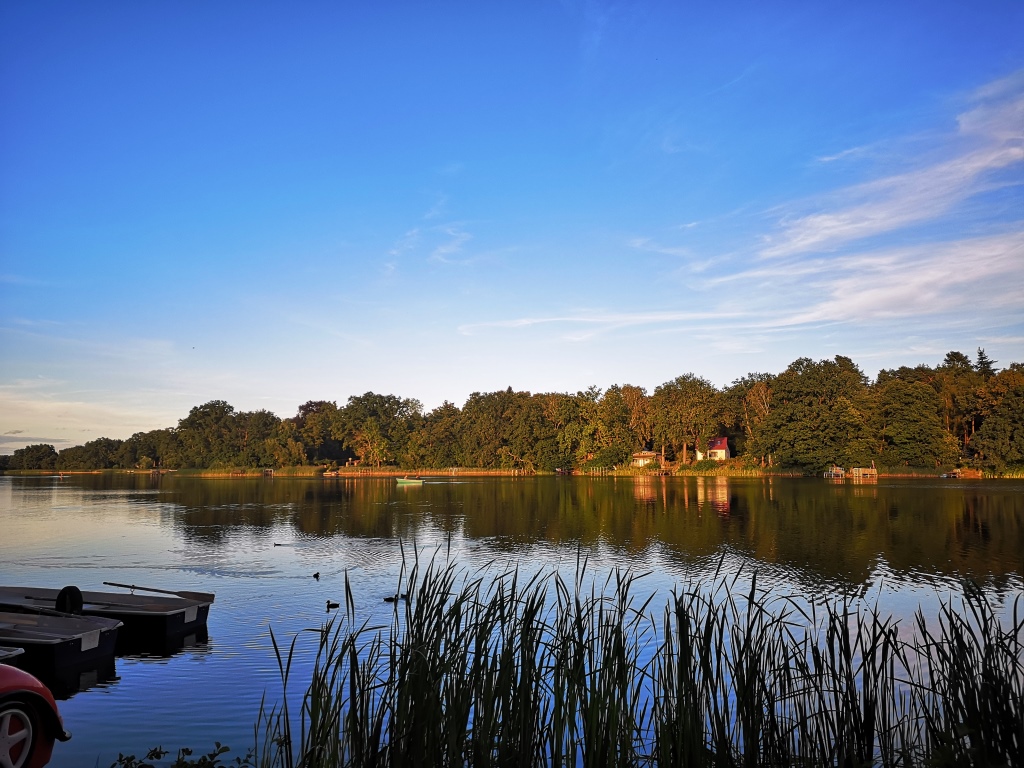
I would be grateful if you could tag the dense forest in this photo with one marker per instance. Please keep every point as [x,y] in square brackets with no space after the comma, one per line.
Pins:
[961,412]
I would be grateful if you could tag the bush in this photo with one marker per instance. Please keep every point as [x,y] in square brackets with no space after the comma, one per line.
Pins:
[705,465]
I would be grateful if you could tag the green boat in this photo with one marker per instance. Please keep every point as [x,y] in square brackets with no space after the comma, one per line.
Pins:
[410,480]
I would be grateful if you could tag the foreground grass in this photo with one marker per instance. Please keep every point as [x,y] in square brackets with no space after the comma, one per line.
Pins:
[504,671]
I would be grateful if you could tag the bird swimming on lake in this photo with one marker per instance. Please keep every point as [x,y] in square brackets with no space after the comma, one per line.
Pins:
[392,599]
[317,575]
[331,605]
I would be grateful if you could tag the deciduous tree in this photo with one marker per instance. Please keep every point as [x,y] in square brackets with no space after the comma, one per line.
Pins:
[684,413]
[819,415]
[909,430]
[39,456]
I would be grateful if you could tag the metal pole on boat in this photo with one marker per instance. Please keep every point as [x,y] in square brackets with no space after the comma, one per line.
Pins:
[187,595]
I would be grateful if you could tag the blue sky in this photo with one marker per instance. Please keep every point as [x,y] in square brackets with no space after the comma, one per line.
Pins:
[268,203]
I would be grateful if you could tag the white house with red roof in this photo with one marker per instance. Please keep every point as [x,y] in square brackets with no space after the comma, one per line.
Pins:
[718,450]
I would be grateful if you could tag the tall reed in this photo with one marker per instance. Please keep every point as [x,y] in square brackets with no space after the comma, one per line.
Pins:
[505,670]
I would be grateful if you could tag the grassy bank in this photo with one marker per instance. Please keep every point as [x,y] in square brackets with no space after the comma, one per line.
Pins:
[700,469]
[433,472]
[725,469]
[296,471]
[505,671]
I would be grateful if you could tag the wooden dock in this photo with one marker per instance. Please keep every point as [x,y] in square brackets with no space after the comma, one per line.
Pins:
[863,473]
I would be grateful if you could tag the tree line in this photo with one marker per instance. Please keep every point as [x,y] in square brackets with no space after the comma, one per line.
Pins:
[807,417]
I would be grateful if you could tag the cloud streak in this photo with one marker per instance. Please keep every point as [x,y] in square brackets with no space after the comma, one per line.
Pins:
[438,208]
[647,244]
[990,139]
[974,282]
[446,252]
[405,243]
[978,279]
[587,325]
[851,152]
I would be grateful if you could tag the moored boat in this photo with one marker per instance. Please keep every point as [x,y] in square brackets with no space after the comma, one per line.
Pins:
[151,622]
[55,643]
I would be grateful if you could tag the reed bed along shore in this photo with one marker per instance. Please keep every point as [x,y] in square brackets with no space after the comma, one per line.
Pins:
[508,671]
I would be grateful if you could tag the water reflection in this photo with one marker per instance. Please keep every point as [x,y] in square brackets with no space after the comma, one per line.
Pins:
[840,532]
[715,492]
[162,647]
[65,683]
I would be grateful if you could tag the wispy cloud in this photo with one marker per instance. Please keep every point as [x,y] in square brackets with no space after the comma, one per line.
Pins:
[136,374]
[730,83]
[851,152]
[128,350]
[978,279]
[448,250]
[692,263]
[989,139]
[903,290]
[444,241]
[585,325]
[328,322]
[405,243]
[438,208]
[26,322]
[14,443]
[647,244]
[452,169]
[823,278]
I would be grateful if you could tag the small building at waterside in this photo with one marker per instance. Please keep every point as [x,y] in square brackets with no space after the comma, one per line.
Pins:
[718,450]
[643,458]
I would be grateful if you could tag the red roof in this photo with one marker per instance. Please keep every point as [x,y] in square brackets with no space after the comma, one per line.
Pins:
[718,444]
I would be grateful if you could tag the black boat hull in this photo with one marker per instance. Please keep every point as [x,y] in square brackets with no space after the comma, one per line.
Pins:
[53,645]
[160,634]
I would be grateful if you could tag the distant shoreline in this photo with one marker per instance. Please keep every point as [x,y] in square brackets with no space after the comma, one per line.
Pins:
[395,472]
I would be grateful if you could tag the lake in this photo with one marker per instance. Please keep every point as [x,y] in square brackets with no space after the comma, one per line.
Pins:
[902,544]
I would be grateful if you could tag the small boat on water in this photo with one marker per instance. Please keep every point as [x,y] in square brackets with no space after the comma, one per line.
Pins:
[56,643]
[410,480]
[157,622]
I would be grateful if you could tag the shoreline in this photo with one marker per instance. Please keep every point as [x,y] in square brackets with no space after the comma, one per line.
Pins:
[306,471]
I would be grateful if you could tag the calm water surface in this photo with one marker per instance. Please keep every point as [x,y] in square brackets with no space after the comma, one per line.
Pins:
[256,544]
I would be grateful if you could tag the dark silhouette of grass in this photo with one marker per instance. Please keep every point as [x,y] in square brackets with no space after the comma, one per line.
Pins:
[507,671]
[502,670]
